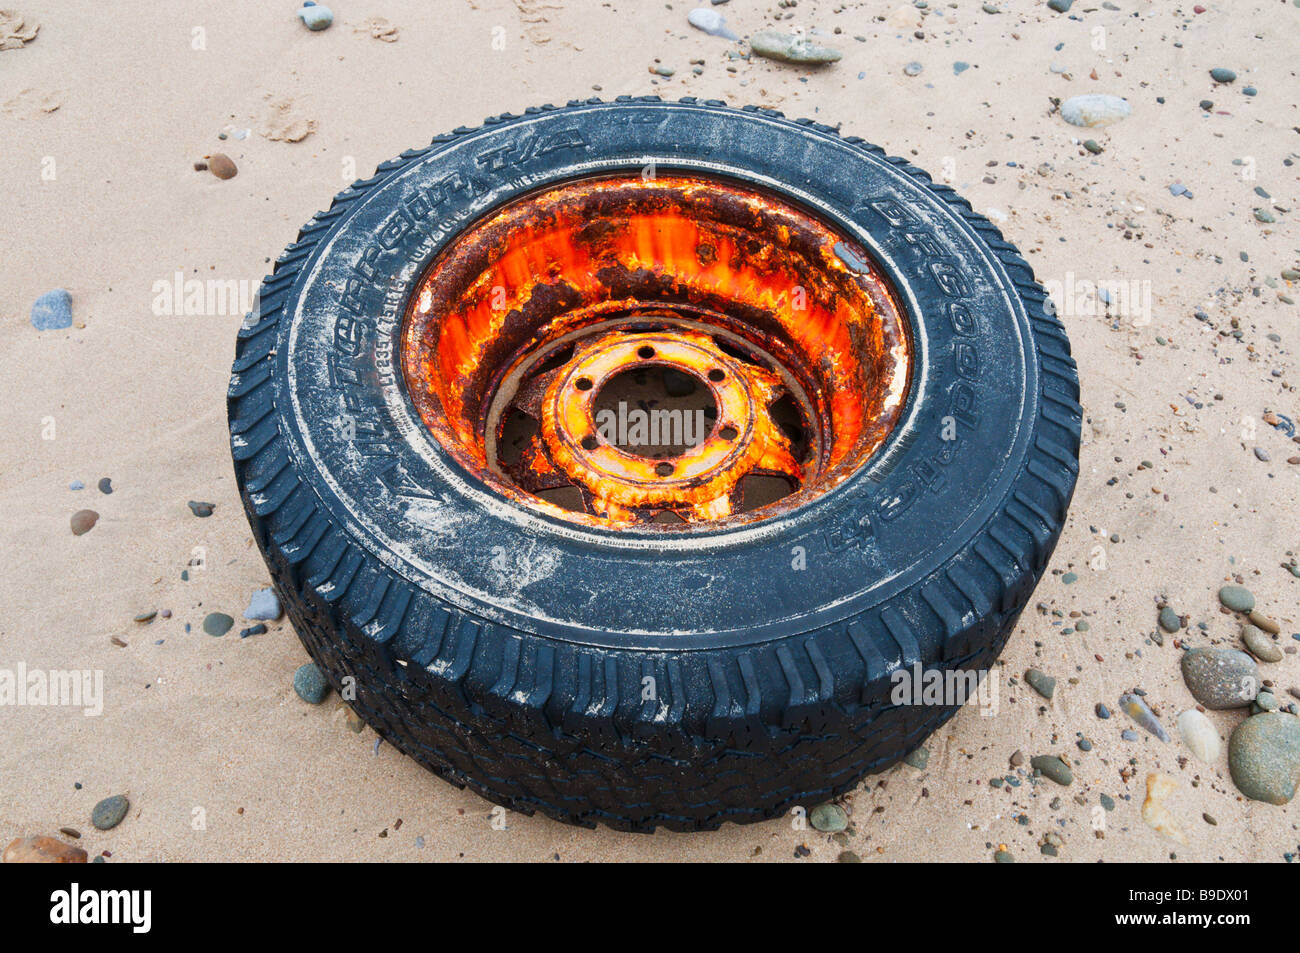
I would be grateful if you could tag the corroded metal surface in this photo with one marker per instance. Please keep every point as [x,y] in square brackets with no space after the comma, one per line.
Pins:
[574,283]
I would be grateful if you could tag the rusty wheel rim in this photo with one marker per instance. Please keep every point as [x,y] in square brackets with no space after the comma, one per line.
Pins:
[787,325]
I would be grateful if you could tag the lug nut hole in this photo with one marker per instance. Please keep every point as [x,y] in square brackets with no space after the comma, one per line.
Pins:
[584,383]
[664,469]
[645,352]
[716,375]
[728,433]
[589,442]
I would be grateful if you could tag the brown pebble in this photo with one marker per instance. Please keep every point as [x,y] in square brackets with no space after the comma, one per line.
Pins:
[200,166]
[1264,622]
[222,166]
[83,521]
[70,832]
[42,850]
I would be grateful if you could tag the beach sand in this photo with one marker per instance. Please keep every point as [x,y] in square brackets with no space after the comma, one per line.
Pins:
[102,117]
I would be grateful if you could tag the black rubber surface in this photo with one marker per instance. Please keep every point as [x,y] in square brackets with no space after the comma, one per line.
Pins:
[630,678]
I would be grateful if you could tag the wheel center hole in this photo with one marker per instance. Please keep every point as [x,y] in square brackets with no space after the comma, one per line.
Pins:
[654,411]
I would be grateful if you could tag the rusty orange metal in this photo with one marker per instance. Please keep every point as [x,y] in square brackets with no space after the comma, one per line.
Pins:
[574,282]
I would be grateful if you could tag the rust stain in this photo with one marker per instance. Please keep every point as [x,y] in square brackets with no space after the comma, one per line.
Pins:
[601,261]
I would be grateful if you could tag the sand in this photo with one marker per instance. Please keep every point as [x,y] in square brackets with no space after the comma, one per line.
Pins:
[102,116]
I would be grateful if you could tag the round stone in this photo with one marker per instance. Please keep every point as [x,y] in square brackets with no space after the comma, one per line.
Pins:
[1221,678]
[217,623]
[828,818]
[1095,109]
[1260,645]
[83,521]
[309,682]
[1237,598]
[52,311]
[109,812]
[316,17]
[1264,757]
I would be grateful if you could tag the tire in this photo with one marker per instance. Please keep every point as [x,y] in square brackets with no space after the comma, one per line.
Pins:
[508,651]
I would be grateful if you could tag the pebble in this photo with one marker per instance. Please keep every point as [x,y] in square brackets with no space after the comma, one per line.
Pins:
[1154,812]
[52,311]
[1260,645]
[1199,735]
[1093,146]
[1264,757]
[1169,620]
[1095,109]
[1222,75]
[309,682]
[1004,856]
[1128,734]
[1102,711]
[1136,708]
[1264,701]
[146,616]
[1264,622]
[1044,684]
[217,623]
[1050,766]
[356,724]
[105,486]
[1237,598]
[1264,216]
[789,48]
[848,857]
[263,606]
[222,166]
[828,818]
[960,67]
[918,758]
[76,485]
[83,521]
[913,68]
[1220,678]
[1060,6]
[711,22]
[201,510]
[42,850]
[315,16]
[1262,455]
[109,812]
[258,629]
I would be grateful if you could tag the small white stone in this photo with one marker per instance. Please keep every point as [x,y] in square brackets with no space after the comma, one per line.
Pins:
[1095,109]
[1200,736]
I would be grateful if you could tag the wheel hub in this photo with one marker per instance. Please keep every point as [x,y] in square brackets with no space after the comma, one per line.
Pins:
[701,483]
